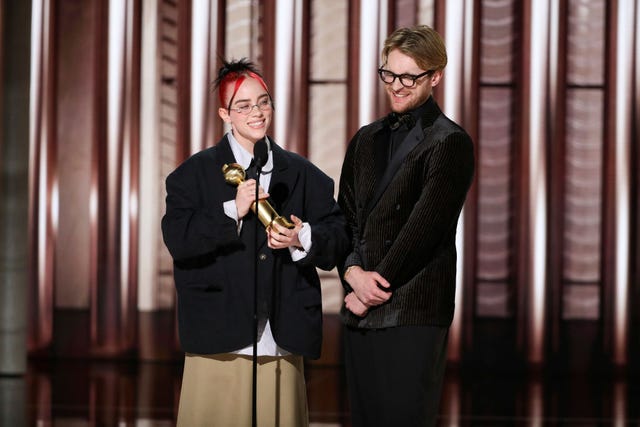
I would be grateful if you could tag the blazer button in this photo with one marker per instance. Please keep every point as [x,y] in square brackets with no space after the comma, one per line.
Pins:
[262,257]
[398,207]
[387,242]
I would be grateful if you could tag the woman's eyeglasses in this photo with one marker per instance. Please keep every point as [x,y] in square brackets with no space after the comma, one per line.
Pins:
[244,109]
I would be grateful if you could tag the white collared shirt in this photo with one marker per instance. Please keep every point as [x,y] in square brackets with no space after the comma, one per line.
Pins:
[266,343]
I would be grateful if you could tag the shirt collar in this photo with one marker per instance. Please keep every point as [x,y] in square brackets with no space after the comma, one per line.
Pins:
[243,157]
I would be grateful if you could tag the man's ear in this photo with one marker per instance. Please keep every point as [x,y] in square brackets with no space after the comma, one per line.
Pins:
[224,114]
[436,77]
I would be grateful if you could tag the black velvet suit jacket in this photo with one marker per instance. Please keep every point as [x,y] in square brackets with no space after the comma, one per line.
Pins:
[213,265]
[403,216]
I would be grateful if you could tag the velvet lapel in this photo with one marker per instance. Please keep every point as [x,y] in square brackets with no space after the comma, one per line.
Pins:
[413,138]
[371,162]
[419,133]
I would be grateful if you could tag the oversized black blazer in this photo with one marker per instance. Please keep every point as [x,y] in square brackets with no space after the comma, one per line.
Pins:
[213,265]
[403,217]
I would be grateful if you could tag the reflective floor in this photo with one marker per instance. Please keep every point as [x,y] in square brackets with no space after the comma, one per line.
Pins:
[79,393]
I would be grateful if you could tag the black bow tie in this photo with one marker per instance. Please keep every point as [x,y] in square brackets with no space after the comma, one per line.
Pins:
[251,171]
[395,121]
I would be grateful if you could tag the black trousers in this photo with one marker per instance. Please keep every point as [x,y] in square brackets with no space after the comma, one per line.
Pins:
[394,375]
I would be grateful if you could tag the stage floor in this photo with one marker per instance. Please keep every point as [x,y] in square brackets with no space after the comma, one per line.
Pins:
[78,393]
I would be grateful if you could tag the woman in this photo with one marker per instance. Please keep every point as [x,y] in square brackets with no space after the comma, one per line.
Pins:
[209,229]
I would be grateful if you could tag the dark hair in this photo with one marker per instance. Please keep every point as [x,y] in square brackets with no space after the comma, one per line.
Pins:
[236,71]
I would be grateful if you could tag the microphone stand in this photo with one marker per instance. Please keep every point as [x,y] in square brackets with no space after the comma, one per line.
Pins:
[255,308]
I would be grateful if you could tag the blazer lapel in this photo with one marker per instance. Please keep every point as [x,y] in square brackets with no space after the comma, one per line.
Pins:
[371,159]
[419,133]
[224,156]
[283,180]
[247,233]
[281,186]
[413,138]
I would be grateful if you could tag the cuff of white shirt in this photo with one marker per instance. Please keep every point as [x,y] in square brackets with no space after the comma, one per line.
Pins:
[304,235]
[231,210]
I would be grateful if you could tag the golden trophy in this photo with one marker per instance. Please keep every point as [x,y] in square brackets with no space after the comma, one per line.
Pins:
[235,174]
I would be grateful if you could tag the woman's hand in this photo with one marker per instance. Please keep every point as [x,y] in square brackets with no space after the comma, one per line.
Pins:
[279,237]
[246,195]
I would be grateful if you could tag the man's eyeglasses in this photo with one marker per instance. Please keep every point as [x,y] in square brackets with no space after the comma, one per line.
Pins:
[407,80]
[244,109]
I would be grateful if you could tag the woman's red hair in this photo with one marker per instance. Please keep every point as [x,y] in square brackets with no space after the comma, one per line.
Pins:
[231,76]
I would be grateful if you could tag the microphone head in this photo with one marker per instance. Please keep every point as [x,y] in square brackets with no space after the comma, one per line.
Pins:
[260,153]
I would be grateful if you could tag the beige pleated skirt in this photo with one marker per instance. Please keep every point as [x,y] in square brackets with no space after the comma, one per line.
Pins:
[217,391]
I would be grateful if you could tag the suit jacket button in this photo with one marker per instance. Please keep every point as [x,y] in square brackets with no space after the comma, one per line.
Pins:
[387,242]
[398,207]
[262,257]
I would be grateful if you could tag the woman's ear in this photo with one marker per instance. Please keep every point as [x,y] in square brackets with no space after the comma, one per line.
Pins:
[224,114]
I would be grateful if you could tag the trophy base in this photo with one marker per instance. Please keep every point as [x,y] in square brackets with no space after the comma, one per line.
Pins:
[282,221]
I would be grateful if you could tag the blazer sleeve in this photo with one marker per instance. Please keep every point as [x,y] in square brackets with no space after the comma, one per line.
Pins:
[347,202]
[194,225]
[447,177]
[329,239]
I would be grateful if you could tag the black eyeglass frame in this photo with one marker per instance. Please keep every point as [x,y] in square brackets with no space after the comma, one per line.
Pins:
[401,77]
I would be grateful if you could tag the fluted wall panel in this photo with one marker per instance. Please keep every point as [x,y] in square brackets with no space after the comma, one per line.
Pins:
[164,292]
[74,156]
[496,156]
[494,175]
[497,42]
[405,12]
[328,108]
[584,104]
[325,146]
[623,24]
[243,30]
[548,90]
[15,146]
[584,166]
[329,42]
[41,131]
[114,290]
[586,40]
[426,12]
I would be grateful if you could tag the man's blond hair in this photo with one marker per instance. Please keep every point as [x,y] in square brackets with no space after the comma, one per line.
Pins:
[420,42]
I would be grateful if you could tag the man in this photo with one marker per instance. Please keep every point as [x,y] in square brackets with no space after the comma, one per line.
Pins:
[209,229]
[403,184]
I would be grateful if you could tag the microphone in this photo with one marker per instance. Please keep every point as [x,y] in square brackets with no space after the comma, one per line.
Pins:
[235,174]
[260,154]
[266,215]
